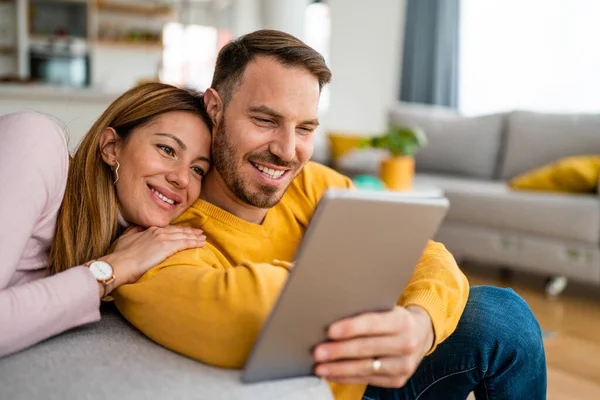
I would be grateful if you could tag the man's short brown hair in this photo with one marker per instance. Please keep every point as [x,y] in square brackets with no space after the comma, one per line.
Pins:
[285,48]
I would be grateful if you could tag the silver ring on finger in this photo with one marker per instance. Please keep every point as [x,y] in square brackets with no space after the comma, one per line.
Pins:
[376,366]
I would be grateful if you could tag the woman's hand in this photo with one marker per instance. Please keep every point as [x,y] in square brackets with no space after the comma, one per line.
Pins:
[139,249]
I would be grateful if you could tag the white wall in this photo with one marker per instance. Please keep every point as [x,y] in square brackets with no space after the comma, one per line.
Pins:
[365,58]
[246,17]
[115,69]
[285,15]
[77,109]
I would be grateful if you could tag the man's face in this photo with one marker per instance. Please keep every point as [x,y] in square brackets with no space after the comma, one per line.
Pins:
[265,134]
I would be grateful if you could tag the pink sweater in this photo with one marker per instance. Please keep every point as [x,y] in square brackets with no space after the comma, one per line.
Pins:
[33,175]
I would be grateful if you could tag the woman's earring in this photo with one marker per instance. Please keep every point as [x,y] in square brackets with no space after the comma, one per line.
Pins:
[117,173]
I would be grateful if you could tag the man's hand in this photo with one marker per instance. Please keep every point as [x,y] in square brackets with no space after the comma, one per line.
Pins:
[399,339]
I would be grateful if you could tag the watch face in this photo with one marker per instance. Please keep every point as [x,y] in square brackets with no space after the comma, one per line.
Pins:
[101,270]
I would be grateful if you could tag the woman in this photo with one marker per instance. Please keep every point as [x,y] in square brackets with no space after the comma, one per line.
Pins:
[140,164]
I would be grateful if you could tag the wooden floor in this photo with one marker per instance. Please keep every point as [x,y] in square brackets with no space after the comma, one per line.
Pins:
[573,347]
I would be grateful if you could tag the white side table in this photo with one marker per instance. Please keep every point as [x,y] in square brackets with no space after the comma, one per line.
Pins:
[418,189]
[424,190]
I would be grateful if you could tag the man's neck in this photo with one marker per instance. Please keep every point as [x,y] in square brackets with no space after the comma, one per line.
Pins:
[216,192]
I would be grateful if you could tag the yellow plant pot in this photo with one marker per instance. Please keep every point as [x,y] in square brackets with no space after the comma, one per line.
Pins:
[397,173]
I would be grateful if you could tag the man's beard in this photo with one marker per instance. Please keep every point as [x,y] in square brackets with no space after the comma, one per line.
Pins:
[229,164]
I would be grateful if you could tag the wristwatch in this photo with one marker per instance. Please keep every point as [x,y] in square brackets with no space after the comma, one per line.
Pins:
[103,272]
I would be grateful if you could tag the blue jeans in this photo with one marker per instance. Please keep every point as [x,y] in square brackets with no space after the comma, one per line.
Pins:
[496,351]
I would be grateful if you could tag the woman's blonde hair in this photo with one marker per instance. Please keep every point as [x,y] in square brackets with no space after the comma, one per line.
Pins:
[87,219]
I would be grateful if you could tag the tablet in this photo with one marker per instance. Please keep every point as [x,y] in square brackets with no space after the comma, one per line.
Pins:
[357,255]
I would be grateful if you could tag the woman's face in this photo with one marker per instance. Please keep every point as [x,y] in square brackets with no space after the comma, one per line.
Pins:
[162,166]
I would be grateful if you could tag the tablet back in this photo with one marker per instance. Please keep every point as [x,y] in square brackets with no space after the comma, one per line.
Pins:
[357,256]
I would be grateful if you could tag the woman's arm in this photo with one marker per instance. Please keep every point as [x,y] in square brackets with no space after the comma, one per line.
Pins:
[33,174]
[37,310]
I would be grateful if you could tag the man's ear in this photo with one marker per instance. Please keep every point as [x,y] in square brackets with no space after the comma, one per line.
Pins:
[110,146]
[213,104]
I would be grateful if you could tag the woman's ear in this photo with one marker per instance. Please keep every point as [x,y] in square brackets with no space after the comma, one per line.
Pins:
[110,146]
[213,104]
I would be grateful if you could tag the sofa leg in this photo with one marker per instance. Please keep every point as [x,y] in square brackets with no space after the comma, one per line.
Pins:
[555,285]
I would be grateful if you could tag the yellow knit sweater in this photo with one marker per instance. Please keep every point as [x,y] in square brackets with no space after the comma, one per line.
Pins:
[210,303]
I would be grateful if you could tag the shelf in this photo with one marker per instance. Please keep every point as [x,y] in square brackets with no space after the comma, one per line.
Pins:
[138,9]
[129,44]
[7,50]
[50,36]
[33,2]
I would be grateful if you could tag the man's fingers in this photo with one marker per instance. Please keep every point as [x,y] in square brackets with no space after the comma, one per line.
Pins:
[364,347]
[362,367]
[374,380]
[391,368]
[369,324]
[361,380]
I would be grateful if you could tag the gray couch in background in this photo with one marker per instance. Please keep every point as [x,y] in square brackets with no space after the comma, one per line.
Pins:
[112,360]
[471,159]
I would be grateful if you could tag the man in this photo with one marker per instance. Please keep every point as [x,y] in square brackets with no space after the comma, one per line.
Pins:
[210,303]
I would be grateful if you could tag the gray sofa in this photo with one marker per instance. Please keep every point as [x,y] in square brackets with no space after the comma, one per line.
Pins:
[471,159]
[112,360]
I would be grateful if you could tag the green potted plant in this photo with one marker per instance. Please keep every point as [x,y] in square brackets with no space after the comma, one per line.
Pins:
[397,171]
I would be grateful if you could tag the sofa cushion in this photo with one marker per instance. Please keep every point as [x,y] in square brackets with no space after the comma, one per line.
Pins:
[112,360]
[535,139]
[467,146]
[493,204]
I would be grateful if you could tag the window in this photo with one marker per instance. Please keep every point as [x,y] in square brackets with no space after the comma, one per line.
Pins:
[317,31]
[529,54]
[190,53]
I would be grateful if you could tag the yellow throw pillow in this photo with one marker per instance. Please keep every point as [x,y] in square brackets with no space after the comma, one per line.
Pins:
[578,174]
[341,144]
